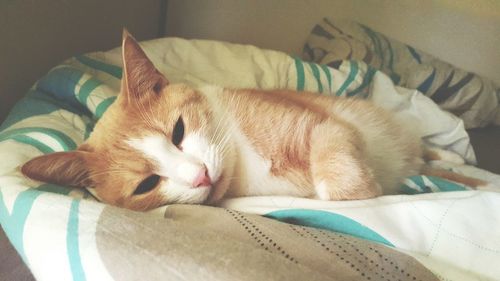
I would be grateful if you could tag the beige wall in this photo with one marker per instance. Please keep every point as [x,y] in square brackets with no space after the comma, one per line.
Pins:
[36,35]
[465,33]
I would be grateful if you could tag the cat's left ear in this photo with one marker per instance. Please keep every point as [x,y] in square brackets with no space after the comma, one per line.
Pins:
[140,77]
[63,168]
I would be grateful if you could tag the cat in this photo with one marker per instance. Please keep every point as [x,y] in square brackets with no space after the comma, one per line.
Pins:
[162,143]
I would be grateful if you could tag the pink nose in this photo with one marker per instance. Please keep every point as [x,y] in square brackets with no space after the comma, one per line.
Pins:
[202,179]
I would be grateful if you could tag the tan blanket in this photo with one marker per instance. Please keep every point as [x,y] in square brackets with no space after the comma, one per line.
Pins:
[206,243]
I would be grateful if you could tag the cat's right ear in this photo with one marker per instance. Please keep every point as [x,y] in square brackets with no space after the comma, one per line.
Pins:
[62,168]
[140,77]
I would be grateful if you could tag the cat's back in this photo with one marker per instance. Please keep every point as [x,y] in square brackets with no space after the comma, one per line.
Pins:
[393,148]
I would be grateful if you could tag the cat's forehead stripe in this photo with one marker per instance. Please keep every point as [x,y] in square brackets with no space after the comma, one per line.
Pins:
[156,148]
[150,145]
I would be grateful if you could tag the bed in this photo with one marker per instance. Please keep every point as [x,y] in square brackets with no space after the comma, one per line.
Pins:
[434,230]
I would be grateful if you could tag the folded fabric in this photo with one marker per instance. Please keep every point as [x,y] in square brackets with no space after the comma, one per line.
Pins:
[473,98]
[454,234]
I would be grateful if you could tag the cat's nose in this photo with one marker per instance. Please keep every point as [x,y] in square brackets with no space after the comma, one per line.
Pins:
[202,179]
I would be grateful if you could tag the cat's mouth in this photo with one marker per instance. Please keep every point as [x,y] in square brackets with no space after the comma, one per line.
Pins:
[211,187]
[214,193]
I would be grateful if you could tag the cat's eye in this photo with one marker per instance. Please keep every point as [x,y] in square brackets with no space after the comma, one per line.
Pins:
[147,184]
[178,132]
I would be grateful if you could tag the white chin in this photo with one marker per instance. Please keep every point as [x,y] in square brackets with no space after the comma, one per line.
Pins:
[198,198]
[202,196]
[191,195]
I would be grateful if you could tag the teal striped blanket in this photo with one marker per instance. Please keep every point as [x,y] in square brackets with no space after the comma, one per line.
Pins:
[81,237]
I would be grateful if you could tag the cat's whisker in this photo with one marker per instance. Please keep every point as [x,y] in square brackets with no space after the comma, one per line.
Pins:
[228,131]
[107,172]
[143,114]
[216,131]
[224,148]
[223,119]
[219,129]
[224,151]
[112,170]
[148,114]
[151,115]
[227,135]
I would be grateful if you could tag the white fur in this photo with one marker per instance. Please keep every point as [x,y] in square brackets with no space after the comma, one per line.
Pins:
[322,191]
[199,148]
[178,193]
[253,173]
[180,168]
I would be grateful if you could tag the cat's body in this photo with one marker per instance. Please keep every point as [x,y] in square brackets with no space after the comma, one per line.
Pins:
[163,143]
[277,137]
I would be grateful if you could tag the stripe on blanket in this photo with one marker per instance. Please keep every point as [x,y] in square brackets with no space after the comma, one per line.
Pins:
[367,79]
[315,77]
[112,70]
[353,72]
[73,244]
[427,184]
[62,139]
[103,106]
[300,74]
[329,221]
[315,71]
[14,222]
[90,85]
[328,74]
[45,149]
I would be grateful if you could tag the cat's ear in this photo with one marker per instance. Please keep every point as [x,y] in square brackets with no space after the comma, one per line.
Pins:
[140,77]
[62,168]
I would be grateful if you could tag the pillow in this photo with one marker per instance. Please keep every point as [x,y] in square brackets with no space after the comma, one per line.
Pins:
[471,97]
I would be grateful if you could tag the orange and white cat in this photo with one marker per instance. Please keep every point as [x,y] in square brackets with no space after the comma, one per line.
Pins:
[163,143]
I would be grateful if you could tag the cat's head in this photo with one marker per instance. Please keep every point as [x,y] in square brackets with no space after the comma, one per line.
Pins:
[157,144]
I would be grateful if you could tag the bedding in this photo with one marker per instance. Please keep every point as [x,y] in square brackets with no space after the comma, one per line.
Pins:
[472,97]
[407,237]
